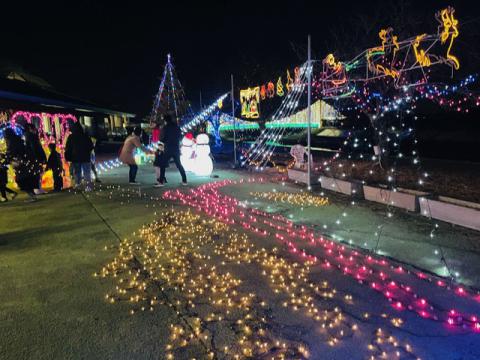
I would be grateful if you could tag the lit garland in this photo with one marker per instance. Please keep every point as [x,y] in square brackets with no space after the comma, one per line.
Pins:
[56,124]
[261,151]
[300,199]
[204,114]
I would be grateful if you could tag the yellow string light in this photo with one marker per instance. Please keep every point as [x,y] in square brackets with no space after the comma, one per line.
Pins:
[422,58]
[250,99]
[448,29]
[280,91]
[299,199]
[185,261]
[388,41]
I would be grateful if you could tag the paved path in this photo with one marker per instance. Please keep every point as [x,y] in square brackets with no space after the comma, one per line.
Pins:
[264,279]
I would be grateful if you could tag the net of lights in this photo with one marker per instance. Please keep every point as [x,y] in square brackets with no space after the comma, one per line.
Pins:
[441,94]
[399,105]
[152,271]
[381,275]
[204,114]
[406,104]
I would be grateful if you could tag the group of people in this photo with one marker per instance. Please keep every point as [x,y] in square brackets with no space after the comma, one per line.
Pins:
[168,149]
[29,161]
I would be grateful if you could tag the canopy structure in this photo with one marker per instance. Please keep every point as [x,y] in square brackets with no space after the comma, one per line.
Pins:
[320,111]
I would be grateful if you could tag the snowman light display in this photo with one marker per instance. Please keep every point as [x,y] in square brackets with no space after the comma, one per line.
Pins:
[187,152]
[203,161]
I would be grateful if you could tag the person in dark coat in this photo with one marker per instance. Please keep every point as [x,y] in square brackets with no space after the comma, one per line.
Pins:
[158,162]
[77,151]
[54,163]
[16,155]
[171,137]
[4,180]
[35,154]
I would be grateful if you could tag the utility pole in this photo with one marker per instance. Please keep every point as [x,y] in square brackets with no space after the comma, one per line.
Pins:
[309,114]
[232,95]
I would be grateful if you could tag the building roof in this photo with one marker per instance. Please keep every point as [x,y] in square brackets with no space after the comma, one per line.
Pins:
[17,86]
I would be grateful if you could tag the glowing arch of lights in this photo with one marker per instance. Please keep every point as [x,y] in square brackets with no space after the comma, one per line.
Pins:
[60,129]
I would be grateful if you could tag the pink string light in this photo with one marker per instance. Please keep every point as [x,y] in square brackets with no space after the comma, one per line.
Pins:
[374,272]
[29,116]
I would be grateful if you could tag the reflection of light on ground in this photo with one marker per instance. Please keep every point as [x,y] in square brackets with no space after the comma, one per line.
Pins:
[105,166]
[383,253]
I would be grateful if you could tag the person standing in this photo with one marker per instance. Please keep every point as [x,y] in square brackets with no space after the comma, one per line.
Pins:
[54,163]
[4,180]
[36,156]
[93,159]
[16,155]
[77,151]
[155,133]
[171,137]
[158,162]
[127,154]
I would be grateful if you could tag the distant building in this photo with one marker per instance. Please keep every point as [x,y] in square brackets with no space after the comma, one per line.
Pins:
[21,91]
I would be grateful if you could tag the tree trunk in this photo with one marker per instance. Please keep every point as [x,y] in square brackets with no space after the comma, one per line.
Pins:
[380,127]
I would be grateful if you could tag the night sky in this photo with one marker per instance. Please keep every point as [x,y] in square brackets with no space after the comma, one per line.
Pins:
[114,55]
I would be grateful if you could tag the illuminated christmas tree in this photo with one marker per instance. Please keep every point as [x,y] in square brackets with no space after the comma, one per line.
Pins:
[171,98]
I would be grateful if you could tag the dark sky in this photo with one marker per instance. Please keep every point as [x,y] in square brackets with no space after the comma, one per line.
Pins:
[114,54]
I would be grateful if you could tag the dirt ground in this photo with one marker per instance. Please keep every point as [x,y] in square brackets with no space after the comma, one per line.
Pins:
[459,180]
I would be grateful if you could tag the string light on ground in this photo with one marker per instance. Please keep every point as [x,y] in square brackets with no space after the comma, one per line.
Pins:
[299,199]
[364,268]
[166,264]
